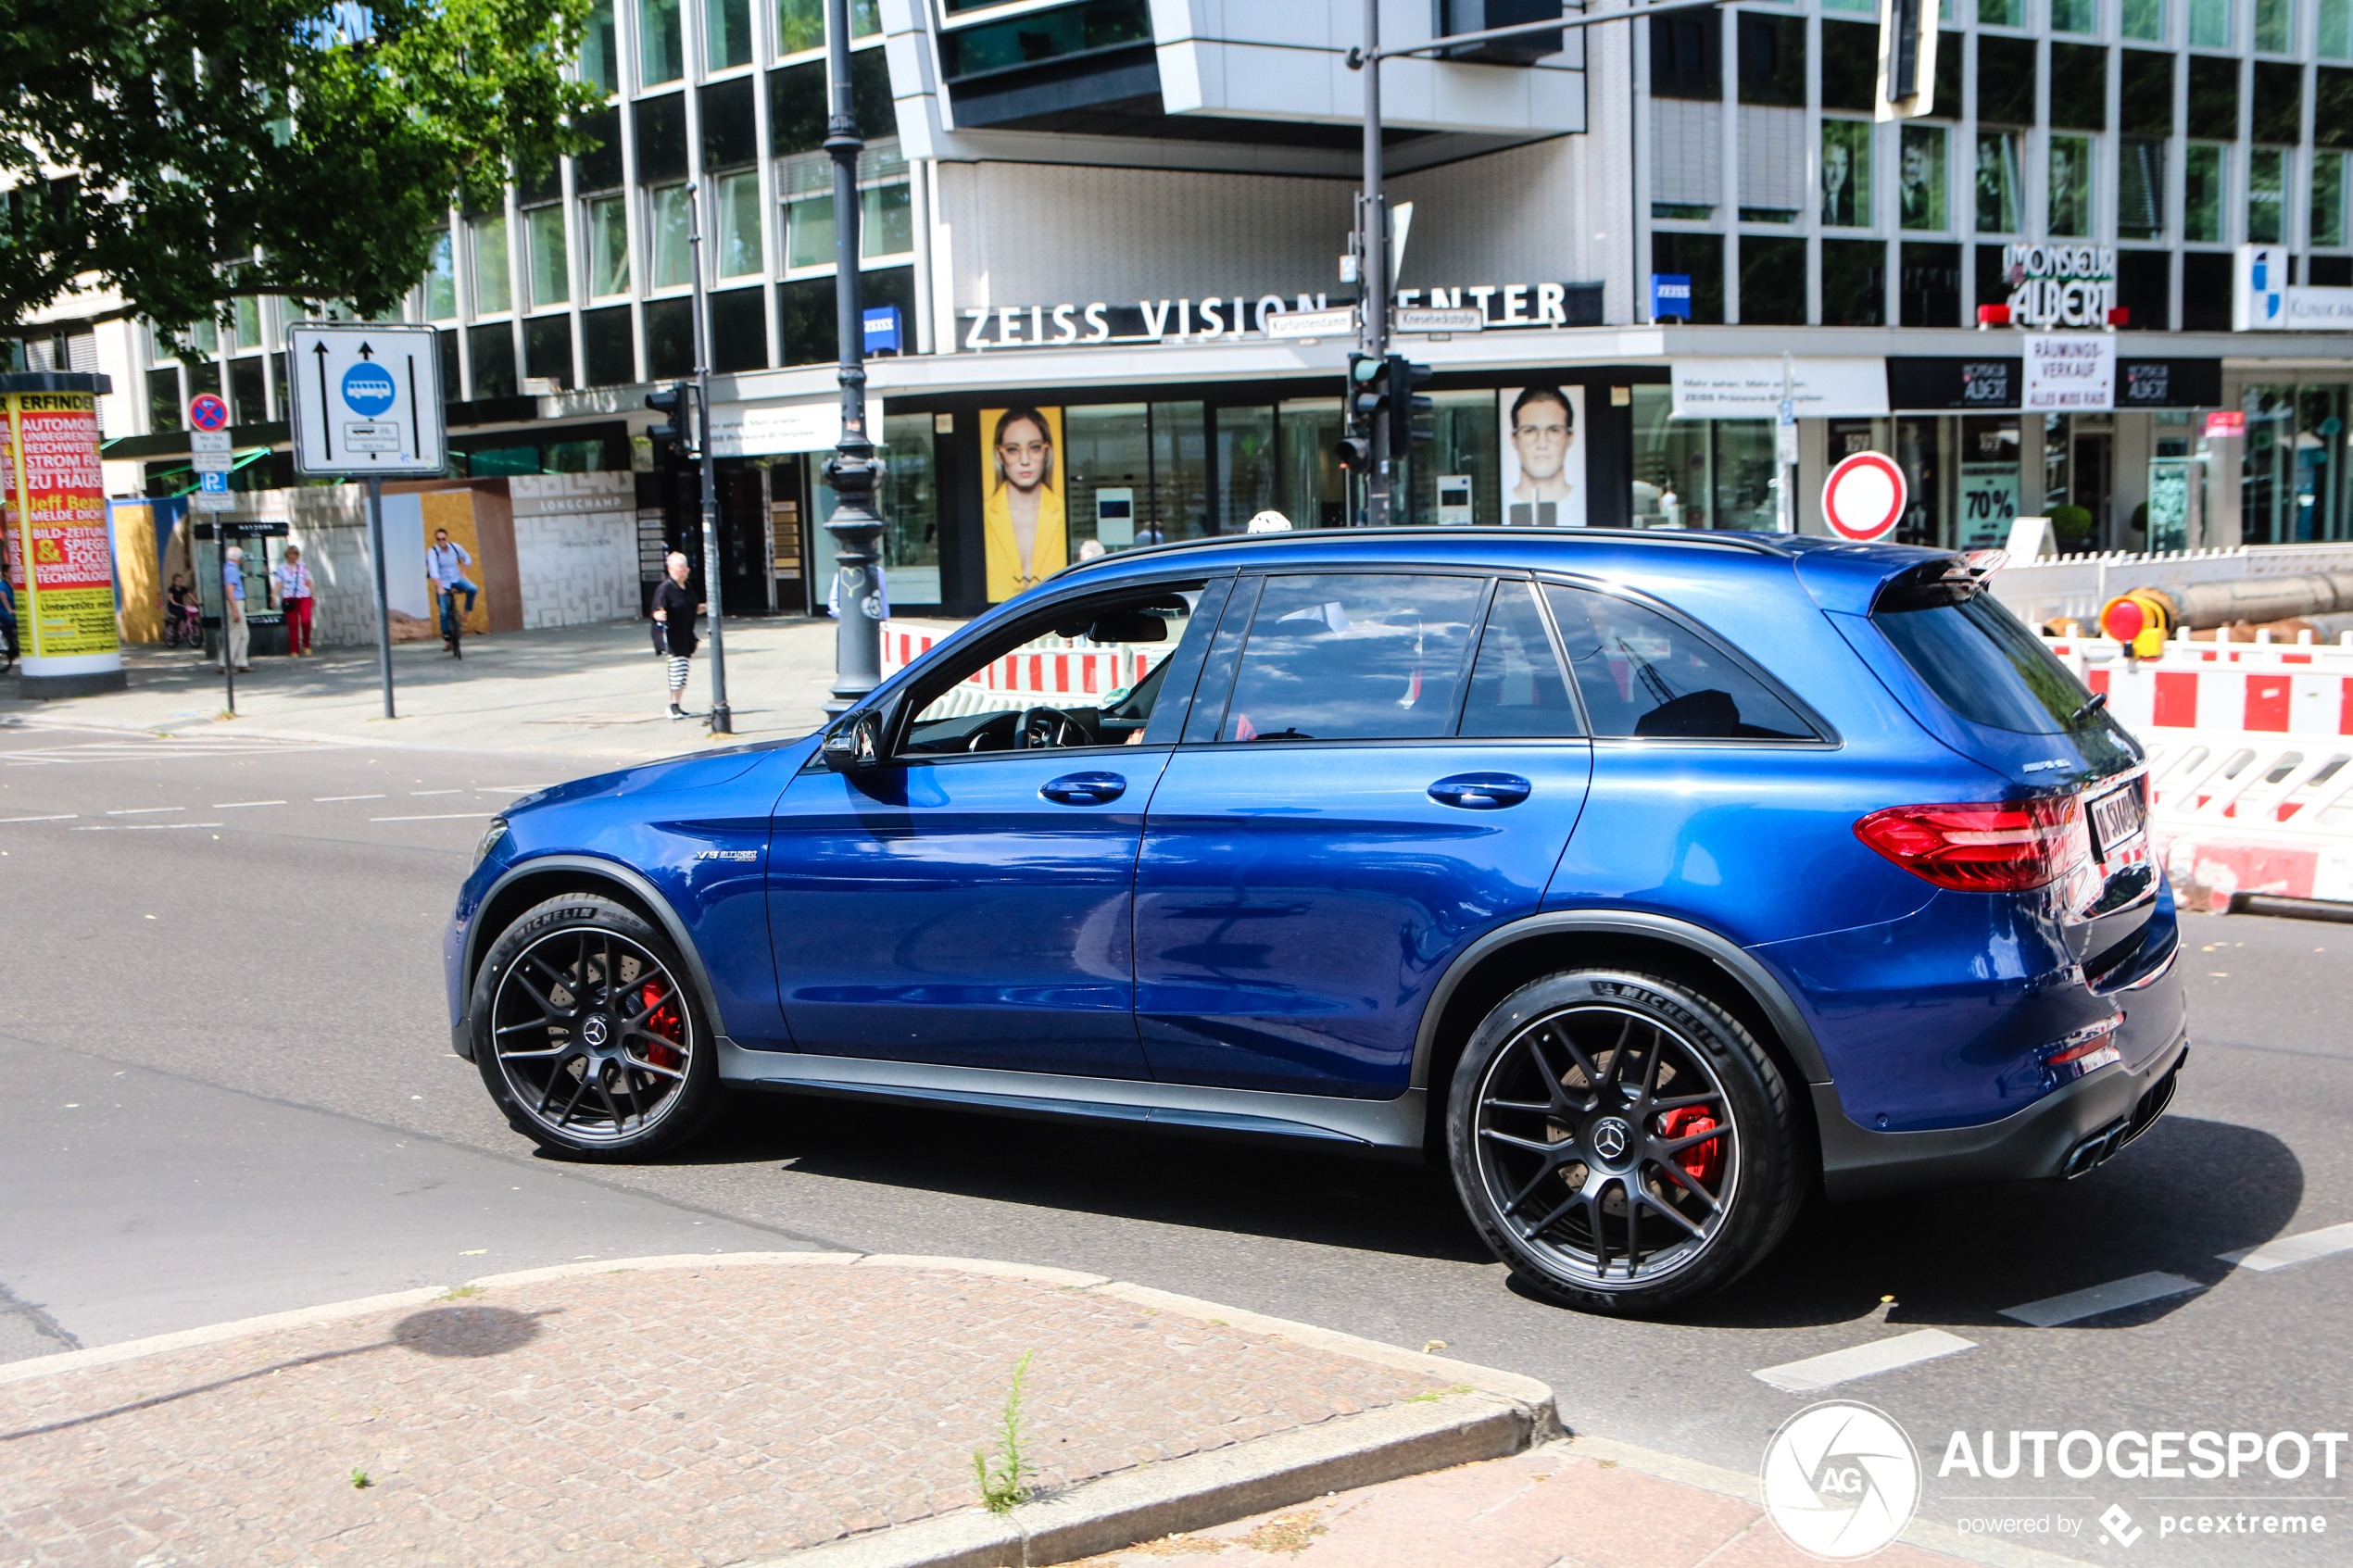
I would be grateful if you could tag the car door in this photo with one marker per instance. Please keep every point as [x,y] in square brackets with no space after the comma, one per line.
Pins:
[1379,768]
[968,901]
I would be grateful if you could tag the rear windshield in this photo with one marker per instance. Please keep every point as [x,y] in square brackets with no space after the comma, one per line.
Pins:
[1987,667]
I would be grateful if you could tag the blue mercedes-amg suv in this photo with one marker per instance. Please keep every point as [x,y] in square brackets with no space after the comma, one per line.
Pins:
[1650,879]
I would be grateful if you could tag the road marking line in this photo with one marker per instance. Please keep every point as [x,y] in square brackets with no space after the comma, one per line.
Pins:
[316,798]
[144,810]
[153,827]
[441,817]
[417,791]
[2293,1249]
[2053,1310]
[1863,1360]
[232,805]
[67,818]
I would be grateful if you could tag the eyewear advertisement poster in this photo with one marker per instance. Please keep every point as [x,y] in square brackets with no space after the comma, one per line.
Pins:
[1543,462]
[58,553]
[1022,520]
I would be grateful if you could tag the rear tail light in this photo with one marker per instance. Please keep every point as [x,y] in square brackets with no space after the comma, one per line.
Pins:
[1998,847]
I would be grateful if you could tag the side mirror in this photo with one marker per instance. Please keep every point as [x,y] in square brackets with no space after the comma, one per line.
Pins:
[855,744]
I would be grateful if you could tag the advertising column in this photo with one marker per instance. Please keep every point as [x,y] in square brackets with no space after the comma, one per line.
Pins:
[57,553]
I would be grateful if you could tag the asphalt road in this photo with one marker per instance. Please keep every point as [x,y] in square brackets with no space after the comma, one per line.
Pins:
[221,1012]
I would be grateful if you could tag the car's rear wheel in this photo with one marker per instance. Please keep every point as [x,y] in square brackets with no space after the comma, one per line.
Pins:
[1622,1142]
[588,1035]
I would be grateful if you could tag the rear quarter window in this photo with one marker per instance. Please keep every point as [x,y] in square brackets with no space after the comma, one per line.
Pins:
[1983,664]
[1649,677]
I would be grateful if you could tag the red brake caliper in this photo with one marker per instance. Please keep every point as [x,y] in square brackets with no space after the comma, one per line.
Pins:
[1701,1161]
[664,1021]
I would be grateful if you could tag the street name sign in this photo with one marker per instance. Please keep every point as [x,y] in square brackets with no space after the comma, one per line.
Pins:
[366,400]
[1338,321]
[1426,319]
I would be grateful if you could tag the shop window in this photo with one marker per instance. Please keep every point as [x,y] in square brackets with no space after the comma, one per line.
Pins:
[608,235]
[547,349]
[441,280]
[2210,24]
[492,348]
[1247,470]
[2276,26]
[2079,86]
[551,269]
[2202,192]
[2328,198]
[1699,258]
[486,238]
[2144,93]
[2214,98]
[661,138]
[673,264]
[2279,102]
[727,32]
[2140,188]
[1700,473]
[598,168]
[1772,282]
[1988,489]
[737,198]
[1850,66]
[2006,72]
[165,406]
[1772,59]
[1921,193]
[1846,174]
[2001,13]
[1854,284]
[661,48]
[1464,458]
[2294,474]
[909,497]
[600,47]
[739,330]
[2266,196]
[610,355]
[2145,289]
[670,338]
[1998,183]
[2205,291]
[1687,55]
[2069,213]
[1928,287]
[247,403]
[2145,18]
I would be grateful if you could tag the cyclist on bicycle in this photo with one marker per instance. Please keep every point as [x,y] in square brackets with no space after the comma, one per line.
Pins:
[183,617]
[445,566]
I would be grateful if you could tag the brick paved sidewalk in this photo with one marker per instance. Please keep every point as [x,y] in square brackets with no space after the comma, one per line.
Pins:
[706,1414]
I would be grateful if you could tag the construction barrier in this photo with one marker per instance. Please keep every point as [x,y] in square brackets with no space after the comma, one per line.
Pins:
[2261,687]
[1078,672]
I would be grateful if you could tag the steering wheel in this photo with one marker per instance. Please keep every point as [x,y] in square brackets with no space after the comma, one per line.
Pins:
[1048,726]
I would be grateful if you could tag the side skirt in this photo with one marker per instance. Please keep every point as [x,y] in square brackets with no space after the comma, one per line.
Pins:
[1382,1128]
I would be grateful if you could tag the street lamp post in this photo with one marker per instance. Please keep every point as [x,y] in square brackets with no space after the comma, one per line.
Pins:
[856,526]
[723,720]
[1372,265]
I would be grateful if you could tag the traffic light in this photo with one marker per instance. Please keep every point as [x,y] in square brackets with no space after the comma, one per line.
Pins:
[1354,452]
[1364,390]
[676,403]
[1403,403]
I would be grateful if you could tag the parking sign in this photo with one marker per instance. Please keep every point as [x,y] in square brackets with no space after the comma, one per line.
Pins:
[367,399]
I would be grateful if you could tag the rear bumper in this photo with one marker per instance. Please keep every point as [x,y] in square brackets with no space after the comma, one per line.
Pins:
[2065,1133]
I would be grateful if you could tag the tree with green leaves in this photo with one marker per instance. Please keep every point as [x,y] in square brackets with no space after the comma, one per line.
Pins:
[183,153]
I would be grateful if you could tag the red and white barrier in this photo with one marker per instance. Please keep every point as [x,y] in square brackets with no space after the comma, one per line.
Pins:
[2263,688]
[1069,668]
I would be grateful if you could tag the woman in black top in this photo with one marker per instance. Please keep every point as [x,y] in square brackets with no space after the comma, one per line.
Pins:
[675,611]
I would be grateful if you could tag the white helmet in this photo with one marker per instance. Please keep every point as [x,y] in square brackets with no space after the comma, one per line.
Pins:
[1269,522]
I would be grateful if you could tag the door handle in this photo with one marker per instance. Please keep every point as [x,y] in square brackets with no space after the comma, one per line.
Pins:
[1083,789]
[1480,792]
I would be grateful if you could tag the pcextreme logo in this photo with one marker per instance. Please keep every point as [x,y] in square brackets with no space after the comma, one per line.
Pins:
[1840,1481]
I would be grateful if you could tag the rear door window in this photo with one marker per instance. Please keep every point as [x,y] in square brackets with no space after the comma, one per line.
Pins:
[1650,677]
[1983,664]
[1354,656]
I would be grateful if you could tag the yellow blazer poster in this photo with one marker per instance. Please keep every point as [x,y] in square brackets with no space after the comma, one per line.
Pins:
[1023,516]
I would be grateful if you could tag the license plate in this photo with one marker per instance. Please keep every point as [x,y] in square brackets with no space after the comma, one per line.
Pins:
[2117,818]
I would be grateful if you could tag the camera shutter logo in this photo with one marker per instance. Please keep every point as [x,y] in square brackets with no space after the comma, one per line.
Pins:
[1840,1481]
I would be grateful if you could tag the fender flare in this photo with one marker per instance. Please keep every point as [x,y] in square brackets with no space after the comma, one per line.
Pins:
[1742,966]
[639,886]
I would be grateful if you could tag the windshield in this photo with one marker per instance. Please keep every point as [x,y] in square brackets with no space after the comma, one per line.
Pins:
[1988,667]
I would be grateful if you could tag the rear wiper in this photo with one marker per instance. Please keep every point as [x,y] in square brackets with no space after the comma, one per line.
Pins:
[2097,701]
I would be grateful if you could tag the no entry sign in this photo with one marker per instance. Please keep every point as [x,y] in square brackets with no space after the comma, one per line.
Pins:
[1864,497]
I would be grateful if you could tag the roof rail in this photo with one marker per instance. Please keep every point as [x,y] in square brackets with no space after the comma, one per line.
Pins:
[1754,543]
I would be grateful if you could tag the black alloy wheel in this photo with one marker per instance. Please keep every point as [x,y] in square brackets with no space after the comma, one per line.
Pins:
[588,1035]
[1622,1141]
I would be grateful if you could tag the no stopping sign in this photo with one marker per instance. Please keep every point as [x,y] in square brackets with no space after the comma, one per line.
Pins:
[1864,497]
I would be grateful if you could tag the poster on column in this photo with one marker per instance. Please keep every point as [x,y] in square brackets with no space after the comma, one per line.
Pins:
[1544,461]
[60,555]
[1022,518]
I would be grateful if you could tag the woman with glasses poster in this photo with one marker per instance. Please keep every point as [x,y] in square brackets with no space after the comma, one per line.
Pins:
[1022,518]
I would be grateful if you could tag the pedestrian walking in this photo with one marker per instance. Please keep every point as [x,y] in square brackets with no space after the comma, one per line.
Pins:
[445,566]
[295,595]
[8,622]
[236,632]
[675,611]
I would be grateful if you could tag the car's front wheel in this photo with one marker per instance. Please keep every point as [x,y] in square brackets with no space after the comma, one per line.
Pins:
[588,1035]
[1622,1142]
